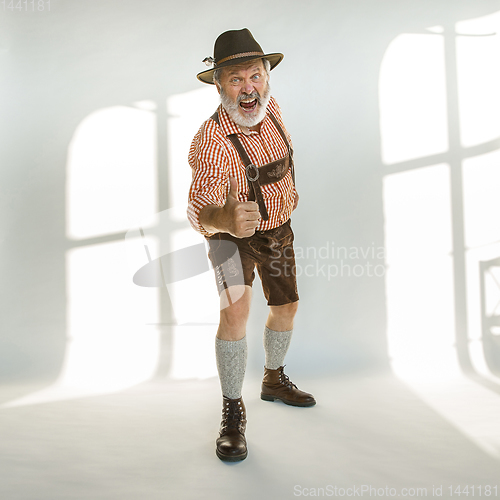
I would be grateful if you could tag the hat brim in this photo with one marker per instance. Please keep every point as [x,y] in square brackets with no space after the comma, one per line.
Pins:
[207,76]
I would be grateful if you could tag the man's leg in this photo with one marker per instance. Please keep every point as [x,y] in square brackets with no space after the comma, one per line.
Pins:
[277,337]
[231,355]
[231,345]
[278,333]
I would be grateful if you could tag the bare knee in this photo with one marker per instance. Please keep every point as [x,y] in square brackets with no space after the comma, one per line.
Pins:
[281,317]
[234,317]
[286,310]
[236,314]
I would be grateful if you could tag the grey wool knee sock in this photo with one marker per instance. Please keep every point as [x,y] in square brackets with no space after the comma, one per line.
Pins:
[276,345]
[231,358]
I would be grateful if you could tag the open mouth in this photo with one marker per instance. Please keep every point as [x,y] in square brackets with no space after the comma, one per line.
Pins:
[248,105]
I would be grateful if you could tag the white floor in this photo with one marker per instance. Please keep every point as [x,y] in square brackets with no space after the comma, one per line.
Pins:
[156,441]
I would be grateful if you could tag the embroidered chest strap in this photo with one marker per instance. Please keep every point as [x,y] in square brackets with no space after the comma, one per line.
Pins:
[267,174]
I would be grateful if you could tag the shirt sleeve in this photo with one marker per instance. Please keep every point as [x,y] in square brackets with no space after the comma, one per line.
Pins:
[210,169]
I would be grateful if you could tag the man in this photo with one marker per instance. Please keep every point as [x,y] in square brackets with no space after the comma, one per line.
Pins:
[242,194]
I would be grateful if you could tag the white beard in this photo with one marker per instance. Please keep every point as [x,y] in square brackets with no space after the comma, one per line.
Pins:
[246,120]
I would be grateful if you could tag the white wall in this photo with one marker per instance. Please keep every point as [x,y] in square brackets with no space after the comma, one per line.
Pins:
[61,66]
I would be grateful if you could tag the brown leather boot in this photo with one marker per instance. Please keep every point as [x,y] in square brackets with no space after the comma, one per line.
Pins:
[231,444]
[277,385]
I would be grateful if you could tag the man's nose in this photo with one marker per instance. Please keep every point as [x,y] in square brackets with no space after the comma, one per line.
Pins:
[248,87]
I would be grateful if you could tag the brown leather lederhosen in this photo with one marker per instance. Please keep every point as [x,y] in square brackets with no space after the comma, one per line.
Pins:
[268,173]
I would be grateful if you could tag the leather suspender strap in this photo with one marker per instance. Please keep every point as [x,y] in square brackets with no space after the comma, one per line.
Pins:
[215,118]
[290,150]
[252,173]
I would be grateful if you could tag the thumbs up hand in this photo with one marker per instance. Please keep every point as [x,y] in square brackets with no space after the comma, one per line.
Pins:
[240,219]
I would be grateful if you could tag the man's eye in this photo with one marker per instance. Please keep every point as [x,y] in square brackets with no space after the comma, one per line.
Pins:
[256,77]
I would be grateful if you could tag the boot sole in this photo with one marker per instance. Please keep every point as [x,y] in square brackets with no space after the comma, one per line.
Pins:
[231,458]
[266,397]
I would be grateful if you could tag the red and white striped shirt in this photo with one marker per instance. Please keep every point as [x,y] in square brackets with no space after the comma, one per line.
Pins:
[214,159]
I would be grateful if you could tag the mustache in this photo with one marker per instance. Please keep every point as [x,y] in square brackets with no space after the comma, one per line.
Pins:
[253,95]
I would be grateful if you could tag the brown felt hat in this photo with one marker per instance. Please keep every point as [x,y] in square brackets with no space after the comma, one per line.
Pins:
[235,47]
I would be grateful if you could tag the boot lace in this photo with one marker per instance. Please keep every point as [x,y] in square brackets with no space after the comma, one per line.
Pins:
[284,379]
[233,415]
